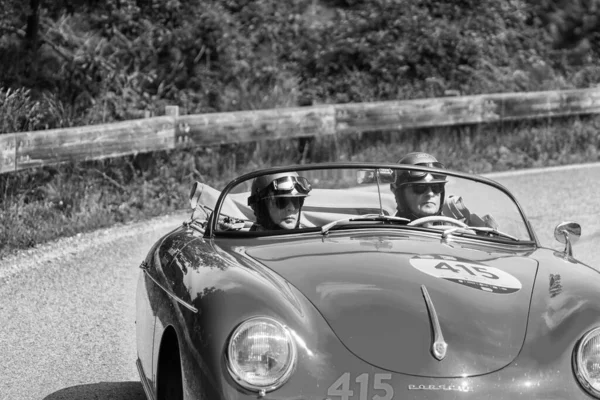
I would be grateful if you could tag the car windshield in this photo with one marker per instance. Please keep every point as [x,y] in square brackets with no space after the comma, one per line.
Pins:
[396,197]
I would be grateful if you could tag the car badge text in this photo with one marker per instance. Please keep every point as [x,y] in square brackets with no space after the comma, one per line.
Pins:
[454,388]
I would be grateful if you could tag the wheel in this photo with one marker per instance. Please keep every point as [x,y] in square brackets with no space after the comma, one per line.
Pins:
[170,383]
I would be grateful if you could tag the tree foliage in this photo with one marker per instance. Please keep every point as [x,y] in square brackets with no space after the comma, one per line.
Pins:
[98,61]
[79,62]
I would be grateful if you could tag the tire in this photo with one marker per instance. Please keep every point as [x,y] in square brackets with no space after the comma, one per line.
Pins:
[170,383]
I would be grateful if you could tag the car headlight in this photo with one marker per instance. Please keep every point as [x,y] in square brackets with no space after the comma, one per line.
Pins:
[261,354]
[586,362]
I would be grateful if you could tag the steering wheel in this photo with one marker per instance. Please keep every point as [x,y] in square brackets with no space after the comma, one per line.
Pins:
[437,218]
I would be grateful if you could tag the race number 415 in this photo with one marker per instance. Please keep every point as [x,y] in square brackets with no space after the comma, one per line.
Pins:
[340,389]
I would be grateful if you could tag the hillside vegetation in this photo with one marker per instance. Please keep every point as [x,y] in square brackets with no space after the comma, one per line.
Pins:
[80,62]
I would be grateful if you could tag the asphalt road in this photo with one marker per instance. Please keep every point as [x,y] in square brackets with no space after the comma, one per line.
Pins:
[553,195]
[67,309]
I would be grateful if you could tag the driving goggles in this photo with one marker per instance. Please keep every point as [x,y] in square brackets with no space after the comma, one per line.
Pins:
[287,183]
[420,188]
[420,174]
[282,202]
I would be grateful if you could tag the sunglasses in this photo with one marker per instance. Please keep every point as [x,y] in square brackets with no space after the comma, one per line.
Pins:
[288,183]
[283,202]
[420,188]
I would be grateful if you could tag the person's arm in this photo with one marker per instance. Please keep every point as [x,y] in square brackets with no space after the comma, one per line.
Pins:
[455,208]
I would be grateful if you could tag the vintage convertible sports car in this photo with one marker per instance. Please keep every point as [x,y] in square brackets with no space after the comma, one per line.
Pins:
[323,282]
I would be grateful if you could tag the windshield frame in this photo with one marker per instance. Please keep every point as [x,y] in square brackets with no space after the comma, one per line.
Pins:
[212,232]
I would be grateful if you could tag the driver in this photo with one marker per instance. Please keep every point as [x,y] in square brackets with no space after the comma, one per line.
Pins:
[419,194]
[277,201]
[422,194]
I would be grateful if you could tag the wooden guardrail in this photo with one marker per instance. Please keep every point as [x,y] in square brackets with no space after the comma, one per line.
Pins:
[33,149]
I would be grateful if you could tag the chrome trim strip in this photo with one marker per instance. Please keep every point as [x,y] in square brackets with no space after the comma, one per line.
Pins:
[145,383]
[462,229]
[171,294]
[439,346]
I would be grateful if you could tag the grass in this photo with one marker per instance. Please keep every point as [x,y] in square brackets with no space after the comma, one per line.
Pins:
[47,203]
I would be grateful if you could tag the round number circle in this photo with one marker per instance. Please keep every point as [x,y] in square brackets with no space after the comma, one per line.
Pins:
[467,273]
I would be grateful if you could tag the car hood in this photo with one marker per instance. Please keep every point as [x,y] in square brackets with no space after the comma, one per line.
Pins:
[371,291]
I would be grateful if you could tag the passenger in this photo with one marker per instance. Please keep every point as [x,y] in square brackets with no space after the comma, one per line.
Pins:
[277,201]
[419,194]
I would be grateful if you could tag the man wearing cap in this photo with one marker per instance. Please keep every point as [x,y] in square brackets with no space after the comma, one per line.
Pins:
[422,194]
[419,194]
[277,201]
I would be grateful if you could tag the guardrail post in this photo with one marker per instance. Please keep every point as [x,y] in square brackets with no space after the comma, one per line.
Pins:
[305,143]
[172,111]
[145,161]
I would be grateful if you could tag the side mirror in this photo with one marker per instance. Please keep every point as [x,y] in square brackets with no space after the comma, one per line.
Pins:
[567,233]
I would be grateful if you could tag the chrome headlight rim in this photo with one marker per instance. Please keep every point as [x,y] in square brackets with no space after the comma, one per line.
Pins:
[288,371]
[578,360]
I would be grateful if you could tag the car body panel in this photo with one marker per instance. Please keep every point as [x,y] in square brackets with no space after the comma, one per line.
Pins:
[371,293]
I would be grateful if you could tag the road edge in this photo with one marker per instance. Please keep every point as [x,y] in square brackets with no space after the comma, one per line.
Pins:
[25,260]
